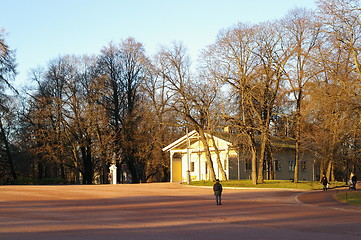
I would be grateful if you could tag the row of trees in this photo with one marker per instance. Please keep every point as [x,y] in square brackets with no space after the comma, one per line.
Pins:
[90,112]
[295,78]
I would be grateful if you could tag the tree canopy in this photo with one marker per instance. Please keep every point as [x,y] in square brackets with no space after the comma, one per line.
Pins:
[297,78]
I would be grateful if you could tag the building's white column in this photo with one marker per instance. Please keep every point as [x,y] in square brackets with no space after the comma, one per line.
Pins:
[171,165]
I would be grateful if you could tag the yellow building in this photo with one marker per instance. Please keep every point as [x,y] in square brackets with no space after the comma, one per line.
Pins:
[188,160]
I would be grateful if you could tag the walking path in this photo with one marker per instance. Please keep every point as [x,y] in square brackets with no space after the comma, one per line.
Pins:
[327,199]
[171,211]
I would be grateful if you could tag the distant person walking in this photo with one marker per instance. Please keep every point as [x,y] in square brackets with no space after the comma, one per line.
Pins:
[354,181]
[217,189]
[324,182]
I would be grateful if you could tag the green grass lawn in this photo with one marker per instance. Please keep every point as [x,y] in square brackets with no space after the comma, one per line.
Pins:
[349,197]
[269,184]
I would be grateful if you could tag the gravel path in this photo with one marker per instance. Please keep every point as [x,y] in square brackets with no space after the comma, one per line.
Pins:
[171,211]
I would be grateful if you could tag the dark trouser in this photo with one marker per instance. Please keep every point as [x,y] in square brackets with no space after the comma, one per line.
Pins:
[218,197]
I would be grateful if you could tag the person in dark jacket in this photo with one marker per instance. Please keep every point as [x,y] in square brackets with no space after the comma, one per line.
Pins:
[217,189]
[324,182]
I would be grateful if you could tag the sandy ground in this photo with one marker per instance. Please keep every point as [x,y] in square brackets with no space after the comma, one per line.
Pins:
[171,211]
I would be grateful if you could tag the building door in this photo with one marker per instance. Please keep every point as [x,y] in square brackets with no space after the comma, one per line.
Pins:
[177,170]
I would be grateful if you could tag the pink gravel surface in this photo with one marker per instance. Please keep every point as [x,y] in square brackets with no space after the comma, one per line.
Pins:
[171,211]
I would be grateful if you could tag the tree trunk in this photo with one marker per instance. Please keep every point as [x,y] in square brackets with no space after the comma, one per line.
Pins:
[330,171]
[218,159]
[270,166]
[254,164]
[87,163]
[298,137]
[8,151]
[264,139]
[322,168]
[253,151]
[204,140]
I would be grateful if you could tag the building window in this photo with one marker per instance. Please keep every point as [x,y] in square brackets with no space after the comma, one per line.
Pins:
[192,167]
[277,165]
[303,166]
[291,166]
[248,165]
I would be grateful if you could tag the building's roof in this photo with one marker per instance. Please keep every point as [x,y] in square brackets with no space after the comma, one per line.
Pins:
[179,143]
[231,140]
[277,142]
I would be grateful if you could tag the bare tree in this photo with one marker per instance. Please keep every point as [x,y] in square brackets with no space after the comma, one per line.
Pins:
[7,62]
[7,73]
[188,99]
[340,78]
[109,71]
[82,117]
[62,120]
[44,118]
[303,32]
[231,60]
[251,59]
[123,68]
[159,122]
[273,54]
[341,20]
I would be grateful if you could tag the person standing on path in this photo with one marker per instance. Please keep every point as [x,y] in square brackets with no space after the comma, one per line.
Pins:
[324,182]
[217,189]
[354,181]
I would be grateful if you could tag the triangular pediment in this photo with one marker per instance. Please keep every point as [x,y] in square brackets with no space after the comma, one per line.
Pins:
[192,140]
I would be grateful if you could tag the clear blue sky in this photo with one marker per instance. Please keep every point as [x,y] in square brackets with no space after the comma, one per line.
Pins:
[40,30]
